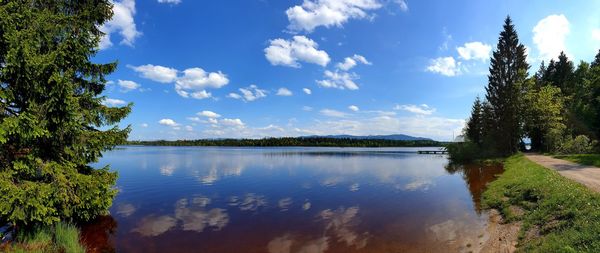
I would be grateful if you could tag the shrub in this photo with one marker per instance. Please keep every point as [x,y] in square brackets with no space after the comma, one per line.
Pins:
[463,151]
[578,145]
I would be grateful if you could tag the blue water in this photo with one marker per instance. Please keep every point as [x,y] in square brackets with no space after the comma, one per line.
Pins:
[215,199]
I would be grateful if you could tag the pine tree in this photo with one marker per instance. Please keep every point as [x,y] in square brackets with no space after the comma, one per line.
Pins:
[507,72]
[540,76]
[596,61]
[563,75]
[474,127]
[52,120]
[488,128]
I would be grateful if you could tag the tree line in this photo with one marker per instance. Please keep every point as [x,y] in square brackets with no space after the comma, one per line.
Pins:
[557,109]
[293,142]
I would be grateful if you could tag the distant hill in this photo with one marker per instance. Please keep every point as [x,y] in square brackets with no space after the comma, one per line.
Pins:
[393,137]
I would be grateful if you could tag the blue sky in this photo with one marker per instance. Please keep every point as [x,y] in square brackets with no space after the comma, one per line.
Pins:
[255,68]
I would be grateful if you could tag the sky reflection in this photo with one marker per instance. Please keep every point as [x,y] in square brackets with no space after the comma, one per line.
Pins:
[290,200]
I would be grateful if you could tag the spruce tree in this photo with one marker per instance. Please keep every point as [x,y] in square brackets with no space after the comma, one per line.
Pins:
[52,120]
[596,61]
[540,76]
[474,126]
[563,75]
[508,70]
[488,128]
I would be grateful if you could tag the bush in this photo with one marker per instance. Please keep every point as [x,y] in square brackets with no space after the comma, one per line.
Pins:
[578,145]
[463,151]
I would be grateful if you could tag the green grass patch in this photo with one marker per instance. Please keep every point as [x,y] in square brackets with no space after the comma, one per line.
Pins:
[62,237]
[586,159]
[559,215]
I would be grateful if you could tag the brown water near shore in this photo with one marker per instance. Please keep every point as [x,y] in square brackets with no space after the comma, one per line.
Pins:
[293,200]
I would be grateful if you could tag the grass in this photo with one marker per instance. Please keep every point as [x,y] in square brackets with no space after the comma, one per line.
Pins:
[587,159]
[62,237]
[559,215]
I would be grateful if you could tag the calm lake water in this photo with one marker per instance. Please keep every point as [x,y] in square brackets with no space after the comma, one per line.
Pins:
[288,200]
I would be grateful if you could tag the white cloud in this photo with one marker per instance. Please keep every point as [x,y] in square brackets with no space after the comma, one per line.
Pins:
[418,125]
[202,94]
[444,65]
[314,13]
[307,91]
[475,51]
[168,122]
[402,4]
[189,128]
[351,62]
[353,108]
[549,36]
[284,92]
[195,119]
[233,123]
[335,122]
[234,96]
[195,80]
[144,125]
[333,113]
[169,1]
[122,22]
[212,121]
[249,93]
[307,108]
[128,85]
[291,52]
[340,80]
[156,73]
[596,34]
[416,109]
[192,84]
[113,102]
[209,114]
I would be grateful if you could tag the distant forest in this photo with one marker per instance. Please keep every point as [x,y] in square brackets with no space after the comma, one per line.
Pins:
[292,142]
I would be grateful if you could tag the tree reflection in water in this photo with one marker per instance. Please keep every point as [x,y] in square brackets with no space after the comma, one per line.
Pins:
[477,176]
[98,235]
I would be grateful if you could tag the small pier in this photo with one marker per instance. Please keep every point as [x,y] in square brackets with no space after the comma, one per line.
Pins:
[432,152]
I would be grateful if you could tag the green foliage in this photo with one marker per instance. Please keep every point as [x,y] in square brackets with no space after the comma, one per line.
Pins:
[463,152]
[293,142]
[566,214]
[61,237]
[578,145]
[508,70]
[543,121]
[596,61]
[474,128]
[585,159]
[557,103]
[52,120]
[67,238]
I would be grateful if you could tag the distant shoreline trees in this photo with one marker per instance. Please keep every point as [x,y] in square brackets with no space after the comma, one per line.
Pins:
[293,142]
[557,109]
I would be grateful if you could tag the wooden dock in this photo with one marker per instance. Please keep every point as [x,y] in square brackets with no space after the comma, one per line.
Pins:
[432,152]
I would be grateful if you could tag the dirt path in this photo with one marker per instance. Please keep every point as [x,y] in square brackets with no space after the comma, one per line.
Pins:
[586,175]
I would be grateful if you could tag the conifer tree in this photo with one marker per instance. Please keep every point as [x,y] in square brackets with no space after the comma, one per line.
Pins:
[563,75]
[508,70]
[474,127]
[596,61]
[53,123]
[489,127]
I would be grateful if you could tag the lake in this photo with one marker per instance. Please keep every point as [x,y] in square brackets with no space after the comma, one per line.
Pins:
[288,200]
